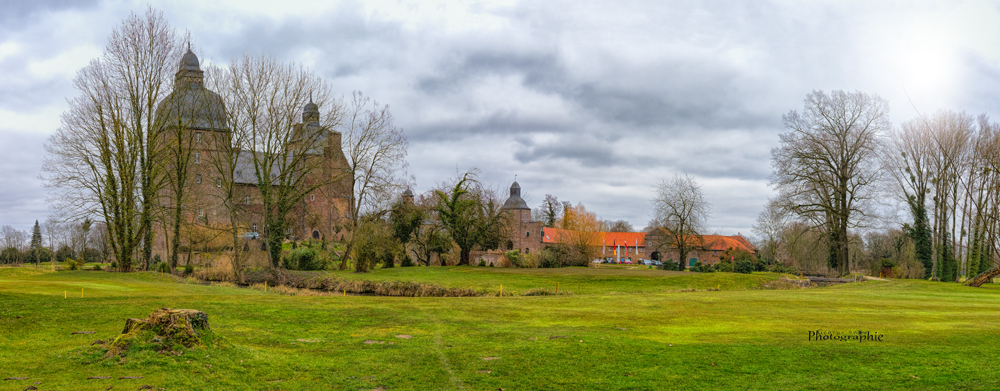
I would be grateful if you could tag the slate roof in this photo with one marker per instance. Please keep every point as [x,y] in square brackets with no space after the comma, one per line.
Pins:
[190,104]
[245,173]
[515,201]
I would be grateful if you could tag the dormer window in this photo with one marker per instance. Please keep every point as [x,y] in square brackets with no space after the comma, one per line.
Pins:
[197,179]
[197,137]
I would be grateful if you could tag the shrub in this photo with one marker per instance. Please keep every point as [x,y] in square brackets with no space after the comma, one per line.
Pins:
[744,266]
[304,258]
[9,255]
[97,267]
[696,268]
[157,260]
[91,255]
[64,253]
[114,265]
[779,268]
[162,267]
[407,261]
[670,265]
[188,269]
[549,258]
[482,262]
[521,260]
[74,264]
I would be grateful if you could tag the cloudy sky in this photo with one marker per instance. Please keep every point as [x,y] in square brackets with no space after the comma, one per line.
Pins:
[593,102]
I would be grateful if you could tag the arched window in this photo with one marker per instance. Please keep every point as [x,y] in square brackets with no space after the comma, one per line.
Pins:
[315,234]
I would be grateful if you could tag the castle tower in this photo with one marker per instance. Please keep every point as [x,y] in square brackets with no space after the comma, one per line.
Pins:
[310,114]
[524,233]
[190,69]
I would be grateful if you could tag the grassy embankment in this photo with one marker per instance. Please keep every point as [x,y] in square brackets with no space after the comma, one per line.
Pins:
[621,329]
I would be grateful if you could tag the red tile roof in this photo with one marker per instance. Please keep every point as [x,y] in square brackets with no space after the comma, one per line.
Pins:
[723,243]
[558,235]
[610,239]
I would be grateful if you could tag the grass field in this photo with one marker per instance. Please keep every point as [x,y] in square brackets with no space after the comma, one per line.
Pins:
[619,330]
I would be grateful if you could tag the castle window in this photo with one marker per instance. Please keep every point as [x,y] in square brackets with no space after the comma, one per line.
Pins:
[527,234]
[312,197]
[254,228]
[218,182]
[527,250]
[197,179]
[315,234]
[197,137]
[201,212]
[197,157]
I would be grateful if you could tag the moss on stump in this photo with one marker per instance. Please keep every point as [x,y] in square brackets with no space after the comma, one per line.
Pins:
[164,327]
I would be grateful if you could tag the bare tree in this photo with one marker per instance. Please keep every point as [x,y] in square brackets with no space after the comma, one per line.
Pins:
[376,159]
[908,160]
[770,226]
[15,239]
[951,136]
[265,99]
[582,235]
[101,161]
[984,240]
[619,226]
[825,168]
[680,211]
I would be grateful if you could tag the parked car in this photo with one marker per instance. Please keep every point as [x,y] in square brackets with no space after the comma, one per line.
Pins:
[250,235]
[657,263]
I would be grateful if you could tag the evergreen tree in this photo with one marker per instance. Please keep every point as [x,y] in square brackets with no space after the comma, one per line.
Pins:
[36,242]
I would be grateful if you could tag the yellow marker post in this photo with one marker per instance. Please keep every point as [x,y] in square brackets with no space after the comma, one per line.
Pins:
[557,288]
[501,290]
[64,294]
[265,286]
[81,293]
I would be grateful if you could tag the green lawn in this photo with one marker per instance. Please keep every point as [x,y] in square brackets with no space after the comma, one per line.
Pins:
[620,330]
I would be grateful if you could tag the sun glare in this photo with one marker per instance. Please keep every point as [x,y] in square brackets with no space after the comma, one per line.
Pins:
[925,63]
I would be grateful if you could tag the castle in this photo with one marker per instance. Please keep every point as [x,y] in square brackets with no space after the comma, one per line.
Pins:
[531,237]
[196,134]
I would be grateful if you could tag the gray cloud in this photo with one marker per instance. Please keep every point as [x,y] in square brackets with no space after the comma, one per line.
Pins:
[17,14]
[590,102]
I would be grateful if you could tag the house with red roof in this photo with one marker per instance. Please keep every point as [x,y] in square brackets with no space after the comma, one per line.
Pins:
[531,237]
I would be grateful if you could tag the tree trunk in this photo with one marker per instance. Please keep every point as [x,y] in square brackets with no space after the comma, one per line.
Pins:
[463,259]
[983,278]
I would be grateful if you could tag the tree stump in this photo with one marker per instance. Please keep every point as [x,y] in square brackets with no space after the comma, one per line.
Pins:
[167,326]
